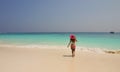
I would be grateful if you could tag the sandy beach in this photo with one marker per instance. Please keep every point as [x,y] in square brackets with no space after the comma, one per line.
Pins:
[56,60]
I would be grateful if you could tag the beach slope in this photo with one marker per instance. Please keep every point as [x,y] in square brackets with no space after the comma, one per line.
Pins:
[56,60]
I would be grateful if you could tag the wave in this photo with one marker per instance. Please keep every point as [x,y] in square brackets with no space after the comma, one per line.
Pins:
[99,50]
[83,49]
[31,46]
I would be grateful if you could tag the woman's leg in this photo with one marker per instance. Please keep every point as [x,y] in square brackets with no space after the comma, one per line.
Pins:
[73,49]
[73,52]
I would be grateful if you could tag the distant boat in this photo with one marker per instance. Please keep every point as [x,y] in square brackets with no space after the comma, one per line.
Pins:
[112,32]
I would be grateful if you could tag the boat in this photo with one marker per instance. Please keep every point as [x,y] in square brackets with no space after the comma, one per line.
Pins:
[112,32]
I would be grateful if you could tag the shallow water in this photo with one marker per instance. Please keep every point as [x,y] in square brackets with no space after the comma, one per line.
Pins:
[91,40]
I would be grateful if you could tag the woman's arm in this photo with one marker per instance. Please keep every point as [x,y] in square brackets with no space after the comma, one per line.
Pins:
[69,43]
[76,40]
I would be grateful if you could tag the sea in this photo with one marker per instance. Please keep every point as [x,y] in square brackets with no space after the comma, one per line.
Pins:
[93,41]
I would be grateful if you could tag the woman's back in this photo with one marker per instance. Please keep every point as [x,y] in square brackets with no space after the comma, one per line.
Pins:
[73,40]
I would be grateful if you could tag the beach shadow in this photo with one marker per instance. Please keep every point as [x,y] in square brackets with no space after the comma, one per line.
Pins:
[67,55]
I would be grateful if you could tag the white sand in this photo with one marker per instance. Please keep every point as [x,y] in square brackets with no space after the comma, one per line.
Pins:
[56,60]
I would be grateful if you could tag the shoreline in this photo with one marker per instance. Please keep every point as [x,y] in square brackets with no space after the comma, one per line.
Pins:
[82,49]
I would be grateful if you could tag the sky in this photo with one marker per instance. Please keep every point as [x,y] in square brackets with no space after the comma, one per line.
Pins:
[59,15]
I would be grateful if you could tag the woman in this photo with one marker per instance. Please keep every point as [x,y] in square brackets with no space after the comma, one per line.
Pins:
[72,43]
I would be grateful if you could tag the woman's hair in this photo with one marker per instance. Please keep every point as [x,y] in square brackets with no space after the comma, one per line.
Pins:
[73,40]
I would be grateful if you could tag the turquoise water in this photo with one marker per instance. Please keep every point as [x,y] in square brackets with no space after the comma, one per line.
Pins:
[85,39]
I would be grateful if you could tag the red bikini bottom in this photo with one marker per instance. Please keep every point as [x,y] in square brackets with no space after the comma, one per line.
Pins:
[73,46]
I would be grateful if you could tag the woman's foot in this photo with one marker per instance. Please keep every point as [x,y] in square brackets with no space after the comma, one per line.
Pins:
[73,55]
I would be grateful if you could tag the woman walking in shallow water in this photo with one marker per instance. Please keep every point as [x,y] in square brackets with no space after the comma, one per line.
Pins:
[72,44]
